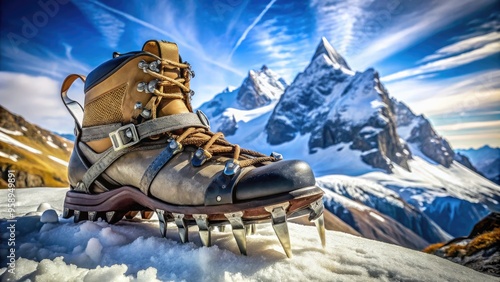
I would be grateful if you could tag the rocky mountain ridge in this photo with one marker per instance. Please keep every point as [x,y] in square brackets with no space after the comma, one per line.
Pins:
[335,105]
[37,156]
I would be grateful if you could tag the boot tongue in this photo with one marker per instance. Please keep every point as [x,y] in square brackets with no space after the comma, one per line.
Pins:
[169,51]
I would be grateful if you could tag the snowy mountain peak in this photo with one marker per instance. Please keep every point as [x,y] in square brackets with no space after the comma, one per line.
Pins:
[255,98]
[333,106]
[260,88]
[327,49]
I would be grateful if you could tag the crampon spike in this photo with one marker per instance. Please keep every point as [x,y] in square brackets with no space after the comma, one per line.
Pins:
[163,222]
[92,215]
[320,225]
[278,215]
[204,229]
[78,216]
[318,218]
[67,213]
[239,230]
[181,226]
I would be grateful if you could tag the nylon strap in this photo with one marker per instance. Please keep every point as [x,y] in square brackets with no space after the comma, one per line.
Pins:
[155,167]
[148,128]
[108,158]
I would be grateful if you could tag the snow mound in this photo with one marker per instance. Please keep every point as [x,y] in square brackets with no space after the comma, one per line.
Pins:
[134,251]
[49,216]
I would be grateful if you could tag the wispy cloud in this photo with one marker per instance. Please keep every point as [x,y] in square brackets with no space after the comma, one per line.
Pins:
[108,25]
[475,140]
[448,63]
[45,63]
[402,32]
[462,46]
[344,22]
[492,124]
[476,92]
[191,45]
[249,28]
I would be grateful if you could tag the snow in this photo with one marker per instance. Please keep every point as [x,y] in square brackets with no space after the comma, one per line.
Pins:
[264,83]
[334,58]
[12,141]
[10,132]
[456,181]
[49,216]
[376,216]
[50,142]
[57,160]
[347,161]
[7,156]
[359,189]
[248,115]
[24,128]
[134,251]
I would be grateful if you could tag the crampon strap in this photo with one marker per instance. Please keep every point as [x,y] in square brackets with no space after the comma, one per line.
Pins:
[74,108]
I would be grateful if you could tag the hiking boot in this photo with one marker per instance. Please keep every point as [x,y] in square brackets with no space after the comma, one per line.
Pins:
[140,148]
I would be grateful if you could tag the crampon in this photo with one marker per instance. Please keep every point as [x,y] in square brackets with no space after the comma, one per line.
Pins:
[141,149]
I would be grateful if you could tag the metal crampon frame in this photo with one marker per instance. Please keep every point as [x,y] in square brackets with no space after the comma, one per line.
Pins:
[241,226]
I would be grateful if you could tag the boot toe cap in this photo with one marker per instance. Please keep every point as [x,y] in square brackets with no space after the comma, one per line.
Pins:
[275,178]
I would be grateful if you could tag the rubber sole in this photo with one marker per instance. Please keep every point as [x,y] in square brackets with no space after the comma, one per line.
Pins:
[128,200]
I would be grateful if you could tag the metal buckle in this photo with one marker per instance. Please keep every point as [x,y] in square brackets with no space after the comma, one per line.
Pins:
[129,131]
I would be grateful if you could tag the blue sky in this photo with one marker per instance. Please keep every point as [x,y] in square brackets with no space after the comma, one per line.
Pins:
[442,58]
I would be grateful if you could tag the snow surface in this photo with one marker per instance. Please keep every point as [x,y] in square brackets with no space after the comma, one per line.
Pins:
[7,156]
[134,251]
[50,142]
[437,181]
[9,140]
[10,132]
[58,160]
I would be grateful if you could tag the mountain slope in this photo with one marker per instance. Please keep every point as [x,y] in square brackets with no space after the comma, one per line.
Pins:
[486,160]
[135,251]
[345,123]
[38,157]
[418,131]
[386,202]
[246,105]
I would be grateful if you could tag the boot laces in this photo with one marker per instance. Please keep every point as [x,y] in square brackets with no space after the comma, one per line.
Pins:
[212,143]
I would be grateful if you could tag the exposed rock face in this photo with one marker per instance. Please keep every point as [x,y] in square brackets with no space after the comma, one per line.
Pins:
[480,250]
[336,105]
[418,131]
[228,125]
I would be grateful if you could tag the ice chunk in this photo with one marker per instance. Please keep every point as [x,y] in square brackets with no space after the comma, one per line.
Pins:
[49,216]
[94,249]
